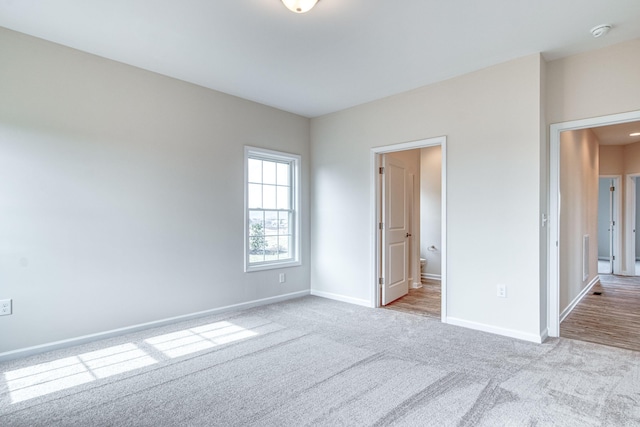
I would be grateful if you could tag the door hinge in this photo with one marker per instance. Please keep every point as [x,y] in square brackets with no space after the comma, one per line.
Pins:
[613,257]
[381,281]
[381,170]
[381,226]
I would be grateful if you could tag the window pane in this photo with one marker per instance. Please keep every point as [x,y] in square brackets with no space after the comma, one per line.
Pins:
[269,197]
[268,172]
[271,223]
[283,223]
[283,197]
[283,173]
[255,196]
[256,223]
[257,246]
[255,170]
[271,251]
[284,243]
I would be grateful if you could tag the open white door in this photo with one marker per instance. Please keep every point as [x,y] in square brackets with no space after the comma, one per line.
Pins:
[395,231]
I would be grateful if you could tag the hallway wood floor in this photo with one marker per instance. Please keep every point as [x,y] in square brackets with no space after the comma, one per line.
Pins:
[612,318]
[424,301]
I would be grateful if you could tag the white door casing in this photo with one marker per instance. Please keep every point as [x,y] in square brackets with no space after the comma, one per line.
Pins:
[395,232]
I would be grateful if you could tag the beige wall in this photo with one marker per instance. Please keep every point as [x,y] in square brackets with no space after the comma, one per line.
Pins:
[431,208]
[491,119]
[611,159]
[593,84]
[122,194]
[631,158]
[579,211]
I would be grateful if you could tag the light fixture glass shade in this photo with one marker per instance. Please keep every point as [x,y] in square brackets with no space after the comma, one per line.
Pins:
[299,6]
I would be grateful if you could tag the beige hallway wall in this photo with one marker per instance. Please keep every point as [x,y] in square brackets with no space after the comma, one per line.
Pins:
[579,211]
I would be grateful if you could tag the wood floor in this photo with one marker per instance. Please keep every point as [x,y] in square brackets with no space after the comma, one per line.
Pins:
[424,301]
[612,318]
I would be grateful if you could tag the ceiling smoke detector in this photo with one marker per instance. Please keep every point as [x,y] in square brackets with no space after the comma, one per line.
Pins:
[600,30]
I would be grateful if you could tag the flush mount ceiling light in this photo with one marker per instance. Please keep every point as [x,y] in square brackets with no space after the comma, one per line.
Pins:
[635,134]
[600,30]
[299,6]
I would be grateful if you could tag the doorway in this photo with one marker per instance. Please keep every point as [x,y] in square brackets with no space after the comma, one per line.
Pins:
[554,242]
[380,248]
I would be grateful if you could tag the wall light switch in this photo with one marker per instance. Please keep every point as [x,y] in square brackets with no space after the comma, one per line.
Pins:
[283,277]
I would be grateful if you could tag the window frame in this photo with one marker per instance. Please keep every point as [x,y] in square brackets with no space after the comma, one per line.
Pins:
[294,161]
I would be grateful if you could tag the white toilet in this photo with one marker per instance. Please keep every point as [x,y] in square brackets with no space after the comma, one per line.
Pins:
[423,266]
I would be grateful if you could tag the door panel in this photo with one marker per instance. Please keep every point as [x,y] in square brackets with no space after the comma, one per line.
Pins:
[395,234]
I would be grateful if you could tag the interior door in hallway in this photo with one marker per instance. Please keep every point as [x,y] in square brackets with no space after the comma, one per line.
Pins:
[605,225]
[395,230]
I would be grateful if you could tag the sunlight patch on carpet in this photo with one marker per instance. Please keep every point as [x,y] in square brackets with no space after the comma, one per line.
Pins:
[200,338]
[45,378]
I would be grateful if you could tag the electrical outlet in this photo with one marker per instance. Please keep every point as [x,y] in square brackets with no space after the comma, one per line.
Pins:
[502,291]
[283,277]
[5,307]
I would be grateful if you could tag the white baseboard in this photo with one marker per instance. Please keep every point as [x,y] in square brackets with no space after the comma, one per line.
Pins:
[511,333]
[343,298]
[431,276]
[577,299]
[30,351]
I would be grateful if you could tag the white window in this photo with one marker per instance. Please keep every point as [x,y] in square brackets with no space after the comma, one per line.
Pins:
[272,195]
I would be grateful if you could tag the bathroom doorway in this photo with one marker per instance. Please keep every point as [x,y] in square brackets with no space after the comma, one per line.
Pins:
[424,163]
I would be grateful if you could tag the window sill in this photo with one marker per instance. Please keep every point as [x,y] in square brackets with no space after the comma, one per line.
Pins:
[271,266]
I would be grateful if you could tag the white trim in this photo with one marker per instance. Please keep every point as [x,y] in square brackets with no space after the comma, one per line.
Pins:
[553,242]
[431,276]
[375,214]
[295,160]
[511,333]
[577,299]
[342,298]
[30,351]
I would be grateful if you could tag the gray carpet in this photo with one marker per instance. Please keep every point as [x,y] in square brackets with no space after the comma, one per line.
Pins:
[313,361]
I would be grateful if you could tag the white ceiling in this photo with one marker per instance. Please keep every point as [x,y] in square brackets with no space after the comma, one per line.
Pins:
[618,134]
[340,54]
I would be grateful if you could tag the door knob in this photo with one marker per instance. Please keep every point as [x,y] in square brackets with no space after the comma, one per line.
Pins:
[408,235]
